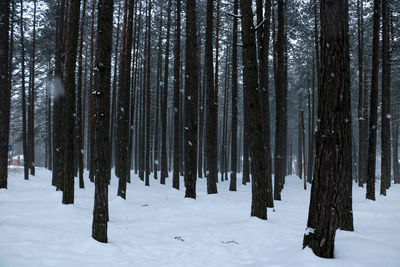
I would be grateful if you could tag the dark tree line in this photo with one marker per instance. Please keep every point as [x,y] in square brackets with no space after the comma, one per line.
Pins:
[199,89]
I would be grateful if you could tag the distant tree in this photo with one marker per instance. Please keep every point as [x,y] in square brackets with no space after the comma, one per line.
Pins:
[5,89]
[191,87]
[333,137]
[101,121]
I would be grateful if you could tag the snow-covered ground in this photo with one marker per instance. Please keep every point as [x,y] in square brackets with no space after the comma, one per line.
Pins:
[157,226]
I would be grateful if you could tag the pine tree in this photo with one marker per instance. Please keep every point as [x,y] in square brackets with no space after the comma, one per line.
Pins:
[191,87]
[373,104]
[5,89]
[177,61]
[250,86]
[333,137]
[101,121]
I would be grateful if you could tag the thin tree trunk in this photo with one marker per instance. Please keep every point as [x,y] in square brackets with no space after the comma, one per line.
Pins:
[374,104]
[177,61]
[234,167]
[164,162]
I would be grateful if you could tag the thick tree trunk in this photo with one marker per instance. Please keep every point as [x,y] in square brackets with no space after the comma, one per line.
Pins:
[250,86]
[281,107]
[333,137]
[58,109]
[70,66]
[102,119]
[191,87]
[122,141]
[211,105]
[373,104]
[263,48]
[5,89]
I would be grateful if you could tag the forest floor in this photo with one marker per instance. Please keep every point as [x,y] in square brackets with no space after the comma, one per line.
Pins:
[157,226]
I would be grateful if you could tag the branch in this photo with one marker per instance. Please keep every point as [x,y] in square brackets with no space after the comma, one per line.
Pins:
[259,25]
[234,15]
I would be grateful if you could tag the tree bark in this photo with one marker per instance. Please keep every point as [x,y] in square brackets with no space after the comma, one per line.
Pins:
[177,61]
[373,104]
[164,162]
[5,89]
[191,87]
[70,66]
[333,137]
[211,105]
[250,86]
[102,119]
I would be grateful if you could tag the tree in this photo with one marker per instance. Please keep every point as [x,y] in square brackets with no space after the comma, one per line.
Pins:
[281,106]
[164,162]
[102,122]
[177,60]
[5,89]
[211,106]
[69,85]
[250,87]
[147,108]
[191,87]
[122,164]
[385,114]
[263,47]
[79,114]
[31,98]
[333,137]
[373,104]
[233,182]
[58,109]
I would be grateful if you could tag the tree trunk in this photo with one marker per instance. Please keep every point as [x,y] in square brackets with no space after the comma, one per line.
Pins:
[333,138]
[79,114]
[211,105]
[69,85]
[281,107]
[234,146]
[58,109]
[122,140]
[191,87]
[148,95]
[250,86]
[373,104]
[263,44]
[385,114]
[177,60]
[5,89]
[164,162]
[102,119]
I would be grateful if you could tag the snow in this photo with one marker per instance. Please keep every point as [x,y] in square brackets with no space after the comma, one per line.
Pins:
[157,226]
